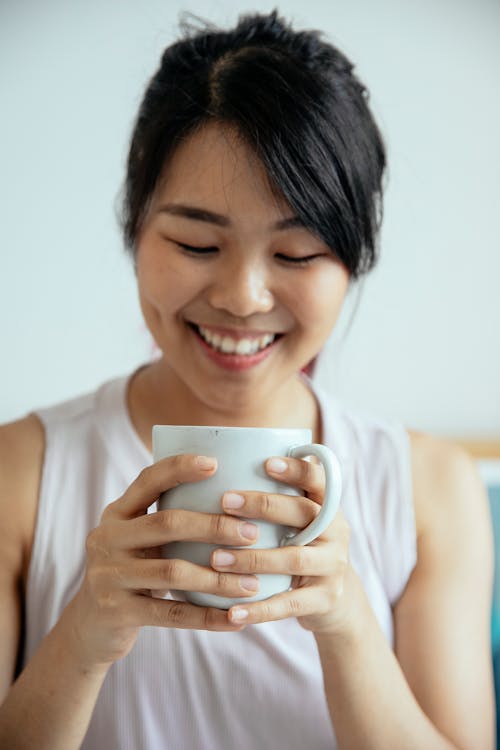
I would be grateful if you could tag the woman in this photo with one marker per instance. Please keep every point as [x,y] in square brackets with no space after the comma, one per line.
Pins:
[252,202]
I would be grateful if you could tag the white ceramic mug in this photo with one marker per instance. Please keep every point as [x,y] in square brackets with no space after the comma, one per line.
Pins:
[241,453]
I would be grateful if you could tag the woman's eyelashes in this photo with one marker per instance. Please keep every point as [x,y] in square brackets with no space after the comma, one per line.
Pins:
[197,250]
[300,261]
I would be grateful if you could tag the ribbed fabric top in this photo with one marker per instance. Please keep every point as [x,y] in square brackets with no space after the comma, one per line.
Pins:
[198,690]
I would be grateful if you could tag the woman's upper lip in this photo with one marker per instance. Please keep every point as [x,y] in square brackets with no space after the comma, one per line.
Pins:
[236,333]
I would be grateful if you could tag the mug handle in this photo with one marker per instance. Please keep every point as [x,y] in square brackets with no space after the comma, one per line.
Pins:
[331,499]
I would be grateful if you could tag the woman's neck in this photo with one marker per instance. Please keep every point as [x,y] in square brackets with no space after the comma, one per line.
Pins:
[157,397]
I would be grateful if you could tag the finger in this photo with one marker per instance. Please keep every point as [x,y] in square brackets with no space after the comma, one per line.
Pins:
[309,476]
[309,600]
[166,526]
[166,613]
[161,575]
[157,478]
[320,558]
[289,510]
[338,531]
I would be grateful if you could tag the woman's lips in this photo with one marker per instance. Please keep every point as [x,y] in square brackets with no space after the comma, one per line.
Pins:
[233,361]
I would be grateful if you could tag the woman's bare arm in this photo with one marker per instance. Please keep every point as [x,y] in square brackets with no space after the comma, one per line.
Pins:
[51,702]
[443,640]
[436,691]
[21,456]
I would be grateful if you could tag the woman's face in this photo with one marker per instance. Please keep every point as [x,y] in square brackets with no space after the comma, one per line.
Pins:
[236,293]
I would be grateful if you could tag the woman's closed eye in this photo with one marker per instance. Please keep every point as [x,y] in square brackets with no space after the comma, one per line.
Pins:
[197,250]
[292,260]
[300,261]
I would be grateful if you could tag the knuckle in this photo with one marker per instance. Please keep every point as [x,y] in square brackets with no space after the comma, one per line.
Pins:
[338,588]
[313,475]
[294,606]
[167,520]
[313,508]
[96,543]
[180,467]
[91,543]
[170,570]
[106,598]
[251,560]
[157,613]
[109,510]
[300,557]
[117,574]
[265,611]
[219,526]
[328,599]
[210,619]
[94,576]
[143,479]
[105,578]
[224,581]
[108,601]
[335,590]
[309,472]
[151,520]
[320,473]
[178,464]
[266,504]
[341,567]
[177,614]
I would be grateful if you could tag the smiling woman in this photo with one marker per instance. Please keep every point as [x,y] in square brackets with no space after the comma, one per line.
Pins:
[252,201]
[249,284]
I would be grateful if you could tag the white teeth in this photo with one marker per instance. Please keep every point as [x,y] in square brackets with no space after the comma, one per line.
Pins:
[243,346]
[266,340]
[229,345]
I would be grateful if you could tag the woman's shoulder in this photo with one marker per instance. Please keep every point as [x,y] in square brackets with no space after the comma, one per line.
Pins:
[442,474]
[22,445]
[446,481]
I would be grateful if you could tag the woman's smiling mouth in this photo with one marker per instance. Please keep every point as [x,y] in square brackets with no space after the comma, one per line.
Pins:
[235,349]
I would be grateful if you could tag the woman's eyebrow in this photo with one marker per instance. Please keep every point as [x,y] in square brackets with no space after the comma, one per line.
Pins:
[202,214]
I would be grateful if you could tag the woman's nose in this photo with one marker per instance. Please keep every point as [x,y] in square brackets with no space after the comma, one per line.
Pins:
[242,290]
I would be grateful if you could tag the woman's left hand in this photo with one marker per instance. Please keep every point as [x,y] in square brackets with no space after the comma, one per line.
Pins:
[322,579]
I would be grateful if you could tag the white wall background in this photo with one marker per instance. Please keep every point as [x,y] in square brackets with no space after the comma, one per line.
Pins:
[425,342]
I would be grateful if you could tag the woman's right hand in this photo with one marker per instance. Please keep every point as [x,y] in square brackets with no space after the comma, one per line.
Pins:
[124,567]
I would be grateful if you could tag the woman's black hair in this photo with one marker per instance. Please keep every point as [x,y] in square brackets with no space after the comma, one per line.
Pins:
[295,100]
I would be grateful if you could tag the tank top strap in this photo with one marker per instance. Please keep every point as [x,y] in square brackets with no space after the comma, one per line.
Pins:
[115,426]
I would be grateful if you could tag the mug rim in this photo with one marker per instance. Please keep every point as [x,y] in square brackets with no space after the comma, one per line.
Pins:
[230,428]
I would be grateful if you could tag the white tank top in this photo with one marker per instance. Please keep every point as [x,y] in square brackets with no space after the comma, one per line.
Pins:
[197,690]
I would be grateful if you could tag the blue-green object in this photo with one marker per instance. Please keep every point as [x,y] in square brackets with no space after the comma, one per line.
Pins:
[494,496]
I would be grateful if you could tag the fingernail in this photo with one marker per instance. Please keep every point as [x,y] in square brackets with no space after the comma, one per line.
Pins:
[224,558]
[249,582]
[239,614]
[249,530]
[205,462]
[277,465]
[232,500]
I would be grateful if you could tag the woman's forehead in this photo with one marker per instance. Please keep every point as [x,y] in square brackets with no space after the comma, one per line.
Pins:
[216,168]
